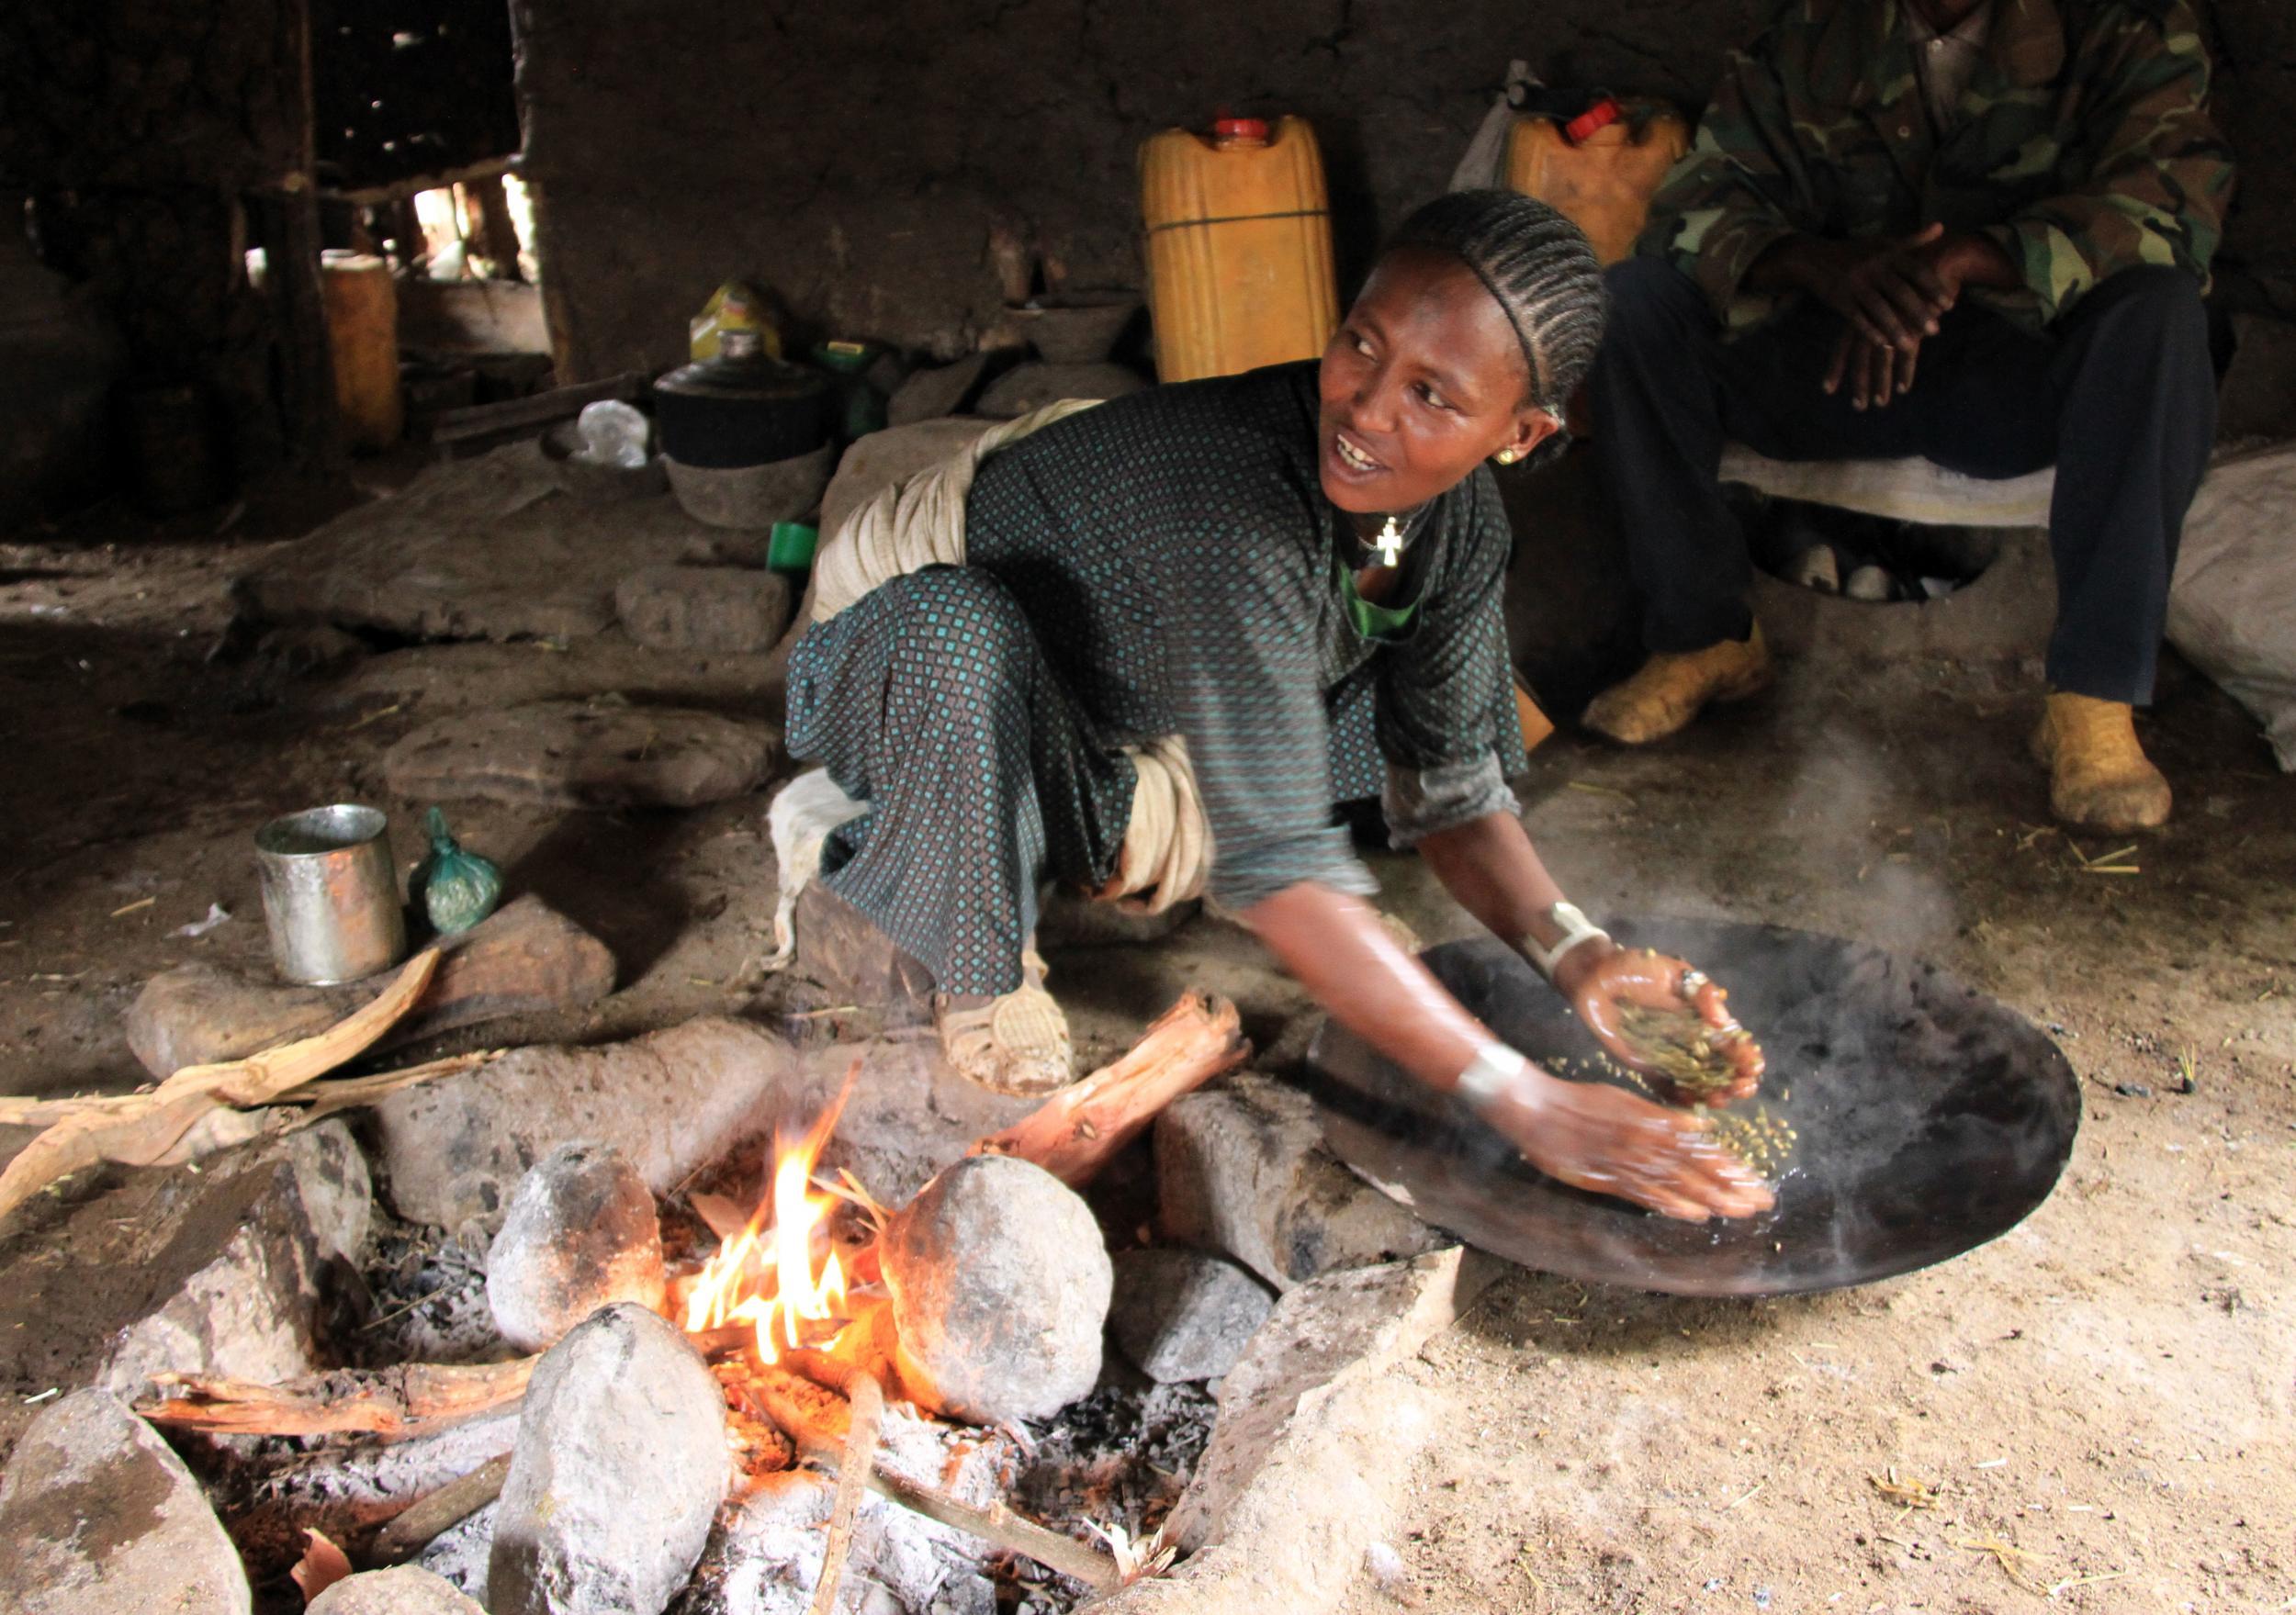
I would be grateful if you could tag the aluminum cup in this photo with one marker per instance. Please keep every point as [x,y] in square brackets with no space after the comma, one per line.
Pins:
[330,895]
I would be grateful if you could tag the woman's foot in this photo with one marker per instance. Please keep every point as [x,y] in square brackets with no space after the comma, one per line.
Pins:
[2099,778]
[1672,687]
[1015,1043]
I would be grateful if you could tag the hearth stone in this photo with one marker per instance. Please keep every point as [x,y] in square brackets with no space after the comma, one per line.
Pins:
[1184,1315]
[407,1589]
[99,1516]
[1242,1169]
[581,1234]
[1000,1285]
[453,1149]
[620,1466]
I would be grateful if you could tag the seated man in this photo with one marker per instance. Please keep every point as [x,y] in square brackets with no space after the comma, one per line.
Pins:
[1987,225]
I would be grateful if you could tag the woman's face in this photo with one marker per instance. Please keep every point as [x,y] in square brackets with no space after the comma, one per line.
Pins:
[1422,381]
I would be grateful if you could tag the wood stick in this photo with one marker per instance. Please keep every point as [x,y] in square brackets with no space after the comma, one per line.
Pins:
[859,1462]
[391,1402]
[1082,1127]
[140,1134]
[994,1524]
[430,1518]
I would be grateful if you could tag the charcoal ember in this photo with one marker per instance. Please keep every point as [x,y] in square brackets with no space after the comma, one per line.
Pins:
[1000,1288]
[407,1589]
[1184,1315]
[581,1234]
[100,1516]
[620,1466]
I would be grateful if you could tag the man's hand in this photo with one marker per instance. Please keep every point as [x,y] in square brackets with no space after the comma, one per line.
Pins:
[1878,372]
[1888,291]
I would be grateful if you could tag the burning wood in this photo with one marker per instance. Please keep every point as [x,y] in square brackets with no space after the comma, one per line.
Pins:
[1083,1126]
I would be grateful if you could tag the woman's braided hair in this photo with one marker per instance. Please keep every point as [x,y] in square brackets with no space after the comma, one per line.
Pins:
[1540,267]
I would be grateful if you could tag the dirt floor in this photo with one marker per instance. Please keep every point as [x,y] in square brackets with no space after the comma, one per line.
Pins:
[2094,1409]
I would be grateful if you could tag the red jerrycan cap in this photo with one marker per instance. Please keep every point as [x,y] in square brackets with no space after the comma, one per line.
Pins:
[1240,128]
[1604,112]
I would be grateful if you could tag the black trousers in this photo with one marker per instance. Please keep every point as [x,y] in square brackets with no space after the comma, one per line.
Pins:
[2120,394]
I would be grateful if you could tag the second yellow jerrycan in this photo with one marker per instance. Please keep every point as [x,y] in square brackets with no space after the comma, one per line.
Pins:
[1239,247]
[1604,179]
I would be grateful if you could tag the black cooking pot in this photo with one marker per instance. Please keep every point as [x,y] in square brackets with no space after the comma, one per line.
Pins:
[730,412]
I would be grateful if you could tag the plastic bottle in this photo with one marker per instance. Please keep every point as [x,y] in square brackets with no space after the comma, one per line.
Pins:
[1239,247]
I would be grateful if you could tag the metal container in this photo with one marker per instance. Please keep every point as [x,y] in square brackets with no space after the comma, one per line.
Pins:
[330,894]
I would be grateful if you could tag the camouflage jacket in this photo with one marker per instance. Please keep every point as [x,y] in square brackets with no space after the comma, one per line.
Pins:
[2083,146]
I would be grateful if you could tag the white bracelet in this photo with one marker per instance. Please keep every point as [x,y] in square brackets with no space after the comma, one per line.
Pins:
[1495,1073]
[1576,928]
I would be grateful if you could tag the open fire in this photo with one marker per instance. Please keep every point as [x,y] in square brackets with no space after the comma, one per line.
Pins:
[781,1275]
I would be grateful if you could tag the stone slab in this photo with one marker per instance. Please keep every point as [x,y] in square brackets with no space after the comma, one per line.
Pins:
[1242,1169]
[584,755]
[1025,388]
[488,548]
[100,1517]
[525,958]
[931,394]
[716,611]
[452,1150]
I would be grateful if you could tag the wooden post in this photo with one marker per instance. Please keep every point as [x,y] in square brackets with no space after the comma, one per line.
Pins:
[288,220]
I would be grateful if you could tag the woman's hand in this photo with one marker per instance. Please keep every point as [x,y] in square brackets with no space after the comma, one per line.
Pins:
[1609,1141]
[1606,984]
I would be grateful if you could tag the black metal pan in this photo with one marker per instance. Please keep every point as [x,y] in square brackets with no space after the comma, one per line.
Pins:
[1930,1119]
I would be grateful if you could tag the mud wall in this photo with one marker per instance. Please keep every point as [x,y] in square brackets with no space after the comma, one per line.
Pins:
[854,156]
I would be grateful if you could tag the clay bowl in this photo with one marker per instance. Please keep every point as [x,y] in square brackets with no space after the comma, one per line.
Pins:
[1075,328]
[1929,1119]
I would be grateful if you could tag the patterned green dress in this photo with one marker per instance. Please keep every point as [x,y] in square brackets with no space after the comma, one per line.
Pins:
[1166,563]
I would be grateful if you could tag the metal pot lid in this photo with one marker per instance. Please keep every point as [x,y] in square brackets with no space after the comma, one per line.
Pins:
[1929,1120]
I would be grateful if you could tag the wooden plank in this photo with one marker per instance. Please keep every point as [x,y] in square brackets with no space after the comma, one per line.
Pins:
[541,410]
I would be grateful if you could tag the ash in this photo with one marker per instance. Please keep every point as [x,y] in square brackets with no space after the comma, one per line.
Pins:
[426,1303]
[1120,1458]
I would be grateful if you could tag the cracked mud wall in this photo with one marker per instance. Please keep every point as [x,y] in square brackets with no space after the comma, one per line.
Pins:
[852,157]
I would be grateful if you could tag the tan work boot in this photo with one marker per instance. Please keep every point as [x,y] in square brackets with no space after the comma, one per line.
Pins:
[1673,686]
[2100,779]
[1014,1044]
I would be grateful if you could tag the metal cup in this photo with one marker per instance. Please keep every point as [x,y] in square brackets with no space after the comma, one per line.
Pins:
[330,894]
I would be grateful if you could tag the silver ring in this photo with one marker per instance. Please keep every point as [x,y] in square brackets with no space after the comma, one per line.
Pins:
[1693,980]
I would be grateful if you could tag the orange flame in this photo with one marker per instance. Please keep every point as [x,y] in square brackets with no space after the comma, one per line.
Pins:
[765,1276]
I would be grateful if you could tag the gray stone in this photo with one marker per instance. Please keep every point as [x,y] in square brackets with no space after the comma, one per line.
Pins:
[458,1555]
[718,611]
[337,1189]
[1000,1288]
[247,1299]
[407,1589]
[1184,1315]
[454,1148]
[620,1466]
[930,394]
[487,548]
[100,1517]
[525,958]
[1242,1169]
[584,754]
[1342,1327]
[1032,386]
[581,1233]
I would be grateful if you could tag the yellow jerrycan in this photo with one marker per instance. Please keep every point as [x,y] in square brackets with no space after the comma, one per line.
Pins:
[361,304]
[1239,247]
[1599,171]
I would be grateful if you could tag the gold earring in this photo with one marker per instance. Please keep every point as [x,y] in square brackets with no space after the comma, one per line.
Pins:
[1508,456]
